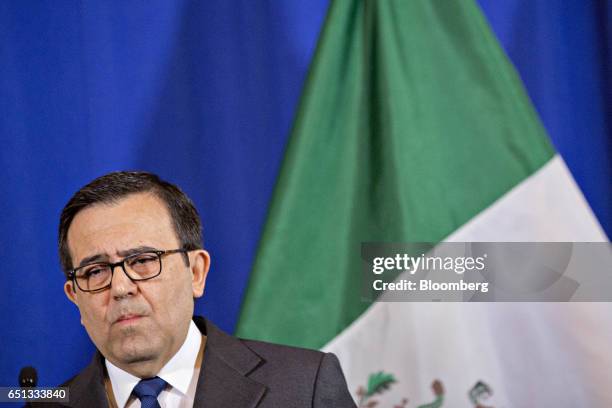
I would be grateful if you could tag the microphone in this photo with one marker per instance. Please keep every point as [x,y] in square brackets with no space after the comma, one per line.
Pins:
[28,377]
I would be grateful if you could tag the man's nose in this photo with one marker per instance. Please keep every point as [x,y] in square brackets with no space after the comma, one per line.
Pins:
[121,284]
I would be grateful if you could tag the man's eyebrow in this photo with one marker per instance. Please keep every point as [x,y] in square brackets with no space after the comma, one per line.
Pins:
[137,250]
[104,257]
[93,258]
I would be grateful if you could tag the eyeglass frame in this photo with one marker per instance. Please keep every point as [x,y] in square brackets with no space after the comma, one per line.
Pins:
[71,275]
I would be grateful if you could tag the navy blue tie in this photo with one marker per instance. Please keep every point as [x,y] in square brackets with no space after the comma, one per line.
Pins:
[147,391]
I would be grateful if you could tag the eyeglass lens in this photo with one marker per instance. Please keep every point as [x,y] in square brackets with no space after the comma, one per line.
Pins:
[138,267]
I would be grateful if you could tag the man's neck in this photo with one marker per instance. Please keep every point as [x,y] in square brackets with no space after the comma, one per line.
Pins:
[144,369]
[149,367]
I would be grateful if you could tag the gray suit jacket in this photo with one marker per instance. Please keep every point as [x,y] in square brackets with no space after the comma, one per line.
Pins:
[242,373]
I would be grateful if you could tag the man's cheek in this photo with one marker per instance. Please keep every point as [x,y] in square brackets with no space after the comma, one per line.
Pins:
[85,319]
[93,320]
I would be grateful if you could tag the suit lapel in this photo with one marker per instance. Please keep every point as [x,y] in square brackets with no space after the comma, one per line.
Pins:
[223,380]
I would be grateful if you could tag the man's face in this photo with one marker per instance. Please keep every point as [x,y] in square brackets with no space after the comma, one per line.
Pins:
[138,326]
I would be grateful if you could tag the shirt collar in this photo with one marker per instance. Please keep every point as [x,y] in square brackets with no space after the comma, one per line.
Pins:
[177,372]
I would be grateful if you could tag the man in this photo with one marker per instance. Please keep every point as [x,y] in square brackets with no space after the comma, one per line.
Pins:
[131,247]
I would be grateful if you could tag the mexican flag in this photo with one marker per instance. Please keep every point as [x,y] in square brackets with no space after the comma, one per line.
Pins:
[414,127]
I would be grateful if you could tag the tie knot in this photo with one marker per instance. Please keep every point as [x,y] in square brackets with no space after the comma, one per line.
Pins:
[150,387]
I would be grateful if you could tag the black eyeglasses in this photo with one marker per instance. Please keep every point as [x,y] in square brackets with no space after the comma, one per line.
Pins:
[142,266]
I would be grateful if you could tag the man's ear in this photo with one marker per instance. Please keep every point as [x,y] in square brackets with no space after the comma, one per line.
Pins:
[69,291]
[200,264]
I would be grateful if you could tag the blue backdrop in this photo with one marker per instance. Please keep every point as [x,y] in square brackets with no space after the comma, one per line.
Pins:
[204,93]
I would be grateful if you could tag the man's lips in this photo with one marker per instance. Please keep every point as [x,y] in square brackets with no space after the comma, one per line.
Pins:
[128,318]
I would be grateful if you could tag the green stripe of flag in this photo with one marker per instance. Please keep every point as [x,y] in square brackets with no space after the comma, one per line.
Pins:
[412,121]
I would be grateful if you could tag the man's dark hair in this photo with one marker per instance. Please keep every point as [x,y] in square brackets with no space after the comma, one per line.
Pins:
[112,187]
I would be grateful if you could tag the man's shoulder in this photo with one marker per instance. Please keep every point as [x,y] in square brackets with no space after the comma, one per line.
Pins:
[287,361]
[294,365]
[293,376]
[284,375]
[270,351]
[272,356]
[85,389]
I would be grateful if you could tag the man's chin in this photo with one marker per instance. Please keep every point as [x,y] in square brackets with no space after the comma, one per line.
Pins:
[135,349]
[140,363]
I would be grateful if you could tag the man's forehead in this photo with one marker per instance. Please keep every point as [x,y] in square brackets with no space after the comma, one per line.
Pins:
[120,253]
[110,228]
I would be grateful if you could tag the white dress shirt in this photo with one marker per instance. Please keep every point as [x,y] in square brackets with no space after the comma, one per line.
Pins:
[180,373]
